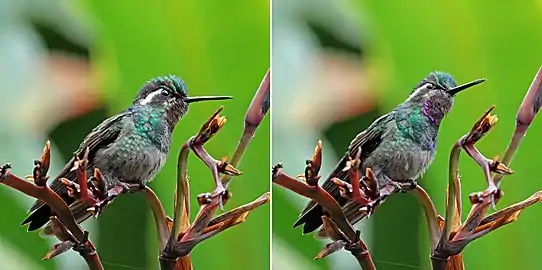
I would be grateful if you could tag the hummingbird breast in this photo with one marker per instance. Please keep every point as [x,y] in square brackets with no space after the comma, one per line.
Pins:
[130,160]
[139,153]
[399,158]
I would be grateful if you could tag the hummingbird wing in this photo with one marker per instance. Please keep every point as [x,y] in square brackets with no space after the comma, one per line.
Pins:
[368,141]
[100,137]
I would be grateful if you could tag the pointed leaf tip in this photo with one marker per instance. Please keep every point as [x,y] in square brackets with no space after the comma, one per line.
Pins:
[330,249]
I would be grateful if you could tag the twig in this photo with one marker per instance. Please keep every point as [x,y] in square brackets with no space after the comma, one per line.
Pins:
[317,194]
[160,218]
[526,113]
[181,205]
[337,226]
[431,215]
[256,112]
[66,229]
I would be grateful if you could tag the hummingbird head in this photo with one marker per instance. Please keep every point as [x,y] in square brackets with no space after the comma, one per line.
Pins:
[435,94]
[437,91]
[168,93]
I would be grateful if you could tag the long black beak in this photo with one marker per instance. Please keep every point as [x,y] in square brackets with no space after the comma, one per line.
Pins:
[206,98]
[462,87]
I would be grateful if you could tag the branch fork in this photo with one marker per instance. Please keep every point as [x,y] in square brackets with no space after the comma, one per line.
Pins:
[63,223]
[335,224]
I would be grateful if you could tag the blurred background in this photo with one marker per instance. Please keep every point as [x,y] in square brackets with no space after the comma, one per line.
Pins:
[67,65]
[338,65]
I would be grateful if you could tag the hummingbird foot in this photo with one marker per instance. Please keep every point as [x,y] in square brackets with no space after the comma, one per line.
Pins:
[403,186]
[133,188]
[407,185]
[118,189]
[397,186]
[371,206]
[413,183]
[388,189]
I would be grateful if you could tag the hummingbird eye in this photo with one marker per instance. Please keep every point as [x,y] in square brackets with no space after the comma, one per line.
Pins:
[431,86]
[164,93]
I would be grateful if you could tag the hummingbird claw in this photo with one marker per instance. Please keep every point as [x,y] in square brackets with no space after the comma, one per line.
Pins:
[397,186]
[118,189]
[367,210]
[98,208]
[413,183]
[124,187]
[141,186]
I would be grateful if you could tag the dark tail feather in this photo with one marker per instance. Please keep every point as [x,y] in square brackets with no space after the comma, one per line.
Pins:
[79,211]
[38,218]
[42,214]
[312,220]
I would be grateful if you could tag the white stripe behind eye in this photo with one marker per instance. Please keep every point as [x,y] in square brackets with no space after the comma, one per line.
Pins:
[149,97]
[417,90]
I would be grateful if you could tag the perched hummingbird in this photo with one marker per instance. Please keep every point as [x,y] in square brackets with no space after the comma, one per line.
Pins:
[399,146]
[130,147]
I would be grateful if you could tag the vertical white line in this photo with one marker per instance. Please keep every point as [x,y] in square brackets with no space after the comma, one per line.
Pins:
[271,133]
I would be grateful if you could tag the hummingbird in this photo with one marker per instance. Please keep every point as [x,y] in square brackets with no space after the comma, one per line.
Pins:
[398,146]
[128,148]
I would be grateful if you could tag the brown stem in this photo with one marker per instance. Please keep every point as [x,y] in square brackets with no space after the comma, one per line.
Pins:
[438,262]
[431,216]
[360,251]
[63,215]
[526,113]
[51,198]
[256,112]
[160,217]
[93,261]
[453,167]
[319,195]
[181,213]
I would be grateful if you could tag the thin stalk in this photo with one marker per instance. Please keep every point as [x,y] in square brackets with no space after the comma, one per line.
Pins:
[438,263]
[431,215]
[526,113]
[160,217]
[167,260]
[180,193]
[168,264]
[93,261]
[244,142]
[259,106]
[519,134]
[365,260]
[451,200]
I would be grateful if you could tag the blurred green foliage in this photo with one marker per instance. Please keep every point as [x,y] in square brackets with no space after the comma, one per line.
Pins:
[470,39]
[218,48]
